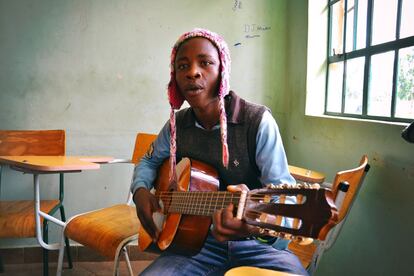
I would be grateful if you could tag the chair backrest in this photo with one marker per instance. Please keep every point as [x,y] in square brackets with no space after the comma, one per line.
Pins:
[354,178]
[142,144]
[312,254]
[32,142]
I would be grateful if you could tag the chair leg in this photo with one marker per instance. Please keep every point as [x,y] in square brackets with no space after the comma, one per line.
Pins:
[131,273]
[116,266]
[45,251]
[61,253]
[1,265]
[118,260]
[63,217]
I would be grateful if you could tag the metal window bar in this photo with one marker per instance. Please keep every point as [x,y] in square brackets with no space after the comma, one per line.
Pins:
[345,11]
[396,58]
[355,29]
[329,30]
[366,52]
[368,39]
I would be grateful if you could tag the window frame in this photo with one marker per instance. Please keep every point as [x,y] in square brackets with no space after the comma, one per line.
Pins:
[367,52]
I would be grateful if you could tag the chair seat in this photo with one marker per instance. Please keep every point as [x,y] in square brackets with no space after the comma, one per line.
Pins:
[303,252]
[17,219]
[106,230]
[305,175]
[249,270]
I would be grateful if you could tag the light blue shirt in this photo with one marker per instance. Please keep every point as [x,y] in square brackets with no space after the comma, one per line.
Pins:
[270,159]
[270,156]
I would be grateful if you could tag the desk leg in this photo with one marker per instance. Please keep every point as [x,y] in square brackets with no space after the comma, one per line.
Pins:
[39,213]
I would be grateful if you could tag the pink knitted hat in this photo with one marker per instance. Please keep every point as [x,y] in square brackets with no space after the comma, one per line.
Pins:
[176,99]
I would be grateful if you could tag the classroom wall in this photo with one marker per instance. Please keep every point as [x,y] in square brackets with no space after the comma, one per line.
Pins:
[99,70]
[376,239]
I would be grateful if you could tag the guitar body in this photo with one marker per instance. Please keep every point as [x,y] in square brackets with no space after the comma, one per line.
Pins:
[183,233]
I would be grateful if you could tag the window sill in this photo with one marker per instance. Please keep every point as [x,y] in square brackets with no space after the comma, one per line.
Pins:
[357,119]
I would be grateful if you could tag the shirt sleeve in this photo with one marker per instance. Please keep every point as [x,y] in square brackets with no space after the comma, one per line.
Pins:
[270,153]
[145,171]
[272,163]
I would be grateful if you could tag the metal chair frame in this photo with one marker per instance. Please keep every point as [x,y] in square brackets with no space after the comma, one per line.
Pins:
[142,143]
[45,232]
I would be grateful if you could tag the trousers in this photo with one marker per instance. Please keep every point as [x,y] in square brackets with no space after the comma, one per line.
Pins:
[215,258]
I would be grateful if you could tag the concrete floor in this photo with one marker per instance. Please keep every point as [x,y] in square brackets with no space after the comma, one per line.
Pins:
[79,269]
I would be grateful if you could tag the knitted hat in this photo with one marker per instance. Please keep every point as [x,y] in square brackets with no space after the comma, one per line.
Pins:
[176,99]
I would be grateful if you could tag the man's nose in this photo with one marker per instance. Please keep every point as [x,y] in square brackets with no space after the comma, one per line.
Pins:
[194,72]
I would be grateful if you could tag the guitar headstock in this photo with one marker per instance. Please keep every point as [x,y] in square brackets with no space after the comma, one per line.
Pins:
[310,209]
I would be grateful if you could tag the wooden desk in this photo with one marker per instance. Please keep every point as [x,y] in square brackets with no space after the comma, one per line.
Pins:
[37,165]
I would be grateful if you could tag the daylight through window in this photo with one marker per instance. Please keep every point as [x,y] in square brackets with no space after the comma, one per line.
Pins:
[371,59]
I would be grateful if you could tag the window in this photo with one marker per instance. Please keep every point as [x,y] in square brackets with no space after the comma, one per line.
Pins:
[370,70]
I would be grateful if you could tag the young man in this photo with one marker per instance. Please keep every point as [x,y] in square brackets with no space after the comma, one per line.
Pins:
[240,139]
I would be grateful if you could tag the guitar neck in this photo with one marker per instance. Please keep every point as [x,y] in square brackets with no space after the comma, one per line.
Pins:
[197,203]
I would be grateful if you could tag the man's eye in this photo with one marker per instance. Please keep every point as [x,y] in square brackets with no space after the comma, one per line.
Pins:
[181,66]
[206,62]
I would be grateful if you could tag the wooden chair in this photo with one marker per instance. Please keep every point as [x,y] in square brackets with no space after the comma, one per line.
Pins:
[17,219]
[306,175]
[249,271]
[109,230]
[345,187]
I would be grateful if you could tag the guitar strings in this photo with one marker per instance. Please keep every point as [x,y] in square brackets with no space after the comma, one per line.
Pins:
[217,193]
[213,195]
[203,198]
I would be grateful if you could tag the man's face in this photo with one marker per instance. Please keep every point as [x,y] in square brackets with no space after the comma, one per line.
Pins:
[197,67]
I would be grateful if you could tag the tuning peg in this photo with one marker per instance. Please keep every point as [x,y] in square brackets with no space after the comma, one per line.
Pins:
[268,232]
[279,186]
[316,186]
[288,186]
[308,185]
[283,186]
[286,236]
[271,186]
[302,240]
[272,233]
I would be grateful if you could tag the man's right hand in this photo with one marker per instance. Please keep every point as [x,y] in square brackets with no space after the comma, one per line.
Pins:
[146,204]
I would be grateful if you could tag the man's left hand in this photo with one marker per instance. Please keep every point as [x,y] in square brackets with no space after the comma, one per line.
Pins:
[228,227]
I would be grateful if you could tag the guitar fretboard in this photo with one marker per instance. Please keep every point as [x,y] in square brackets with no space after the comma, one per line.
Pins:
[197,203]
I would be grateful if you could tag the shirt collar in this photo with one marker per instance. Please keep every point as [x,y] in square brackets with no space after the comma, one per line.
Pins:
[234,109]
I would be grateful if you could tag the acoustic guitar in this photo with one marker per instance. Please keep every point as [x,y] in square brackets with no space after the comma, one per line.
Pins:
[187,208]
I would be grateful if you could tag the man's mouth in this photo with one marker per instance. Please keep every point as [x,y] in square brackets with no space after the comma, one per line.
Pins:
[194,88]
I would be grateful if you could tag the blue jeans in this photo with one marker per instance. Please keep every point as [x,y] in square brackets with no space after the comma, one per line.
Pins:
[215,258]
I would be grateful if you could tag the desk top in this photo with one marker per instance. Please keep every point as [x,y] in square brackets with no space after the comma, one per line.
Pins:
[55,163]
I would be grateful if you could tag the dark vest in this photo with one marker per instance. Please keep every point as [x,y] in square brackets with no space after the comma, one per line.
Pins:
[243,119]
